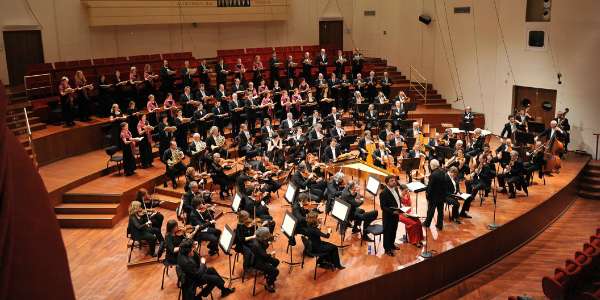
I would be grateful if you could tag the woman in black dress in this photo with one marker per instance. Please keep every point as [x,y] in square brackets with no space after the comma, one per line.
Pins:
[145,130]
[314,235]
[145,226]
[172,241]
[244,233]
[128,145]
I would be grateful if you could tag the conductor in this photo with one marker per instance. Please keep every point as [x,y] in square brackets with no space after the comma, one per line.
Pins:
[437,192]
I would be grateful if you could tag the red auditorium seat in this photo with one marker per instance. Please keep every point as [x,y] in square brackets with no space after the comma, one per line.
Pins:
[582,259]
[34,69]
[595,241]
[555,287]
[591,295]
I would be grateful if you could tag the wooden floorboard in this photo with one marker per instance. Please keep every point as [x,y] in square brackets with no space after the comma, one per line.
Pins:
[98,257]
[521,272]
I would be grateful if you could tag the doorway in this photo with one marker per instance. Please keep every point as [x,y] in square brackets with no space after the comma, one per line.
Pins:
[541,102]
[331,34]
[22,48]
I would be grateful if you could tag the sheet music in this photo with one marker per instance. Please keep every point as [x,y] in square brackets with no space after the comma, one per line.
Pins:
[235,205]
[289,193]
[288,225]
[405,209]
[464,196]
[415,186]
[225,240]
[339,211]
[456,130]
[372,185]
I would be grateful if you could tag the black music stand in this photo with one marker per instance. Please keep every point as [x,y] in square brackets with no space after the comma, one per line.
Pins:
[536,127]
[347,140]
[340,212]
[416,187]
[372,186]
[494,225]
[288,227]
[409,164]
[524,138]
[290,194]
[225,242]
[410,106]
[444,153]
[410,142]
[236,203]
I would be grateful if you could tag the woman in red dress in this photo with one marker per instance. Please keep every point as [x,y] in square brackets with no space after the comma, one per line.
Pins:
[412,225]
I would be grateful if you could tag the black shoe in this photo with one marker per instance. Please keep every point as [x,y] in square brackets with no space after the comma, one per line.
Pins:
[340,267]
[270,288]
[456,221]
[502,190]
[165,184]
[425,225]
[227,292]
[396,247]
[390,253]
[355,230]
[439,228]
[464,215]
[367,238]
[512,196]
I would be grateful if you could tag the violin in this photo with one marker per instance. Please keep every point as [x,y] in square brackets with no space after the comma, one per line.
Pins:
[187,230]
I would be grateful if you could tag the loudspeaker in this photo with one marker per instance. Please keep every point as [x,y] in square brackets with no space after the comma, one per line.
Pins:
[425,19]
[536,38]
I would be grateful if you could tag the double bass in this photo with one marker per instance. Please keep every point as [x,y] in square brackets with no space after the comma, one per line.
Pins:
[554,148]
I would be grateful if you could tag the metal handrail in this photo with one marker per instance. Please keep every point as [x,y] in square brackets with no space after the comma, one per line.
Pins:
[29,138]
[419,76]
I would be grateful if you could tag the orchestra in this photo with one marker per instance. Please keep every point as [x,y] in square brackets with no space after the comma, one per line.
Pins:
[253,141]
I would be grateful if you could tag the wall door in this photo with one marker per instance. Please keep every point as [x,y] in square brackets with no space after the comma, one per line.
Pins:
[541,102]
[22,48]
[331,34]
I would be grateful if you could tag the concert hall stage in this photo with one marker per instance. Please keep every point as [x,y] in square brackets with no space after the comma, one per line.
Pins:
[98,257]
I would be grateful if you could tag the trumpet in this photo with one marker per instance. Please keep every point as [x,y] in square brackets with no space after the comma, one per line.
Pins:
[177,157]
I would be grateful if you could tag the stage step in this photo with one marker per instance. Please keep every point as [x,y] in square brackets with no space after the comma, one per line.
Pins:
[590,180]
[86,220]
[86,208]
[593,165]
[589,195]
[91,198]
[23,129]
[591,172]
[22,122]
[438,105]
[168,202]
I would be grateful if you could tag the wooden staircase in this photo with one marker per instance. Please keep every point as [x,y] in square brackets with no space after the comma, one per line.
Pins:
[88,210]
[15,119]
[589,185]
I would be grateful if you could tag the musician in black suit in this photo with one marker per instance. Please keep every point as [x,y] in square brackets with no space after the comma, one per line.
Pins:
[267,131]
[167,77]
[237,87]
[219,115]
[371,82]
[467,120]
[204,70]
[197,273]
[386,83]
[173,159]
[509,128]
[371,117]
[200,119]
[331,255]
[187,102]
[323,61]
[390,203]
[245,146]
[357,62]
[274,67]
[563,123]
[307,67]
[236,111]
[290,67]
[331,152]
[221,70]
[334,189]
[454,191]
[288,124]
[437,192]
[303,180]
[398,114]
[164,136]
[263,261]
[358,215]
[482,181]
[536,162]
[340,61]
[514,175]
[551,133]
[477,145]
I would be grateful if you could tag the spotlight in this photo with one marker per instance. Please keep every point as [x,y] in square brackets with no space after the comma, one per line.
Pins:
[559,76]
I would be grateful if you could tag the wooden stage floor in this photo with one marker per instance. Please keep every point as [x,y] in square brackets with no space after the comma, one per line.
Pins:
[98,257]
